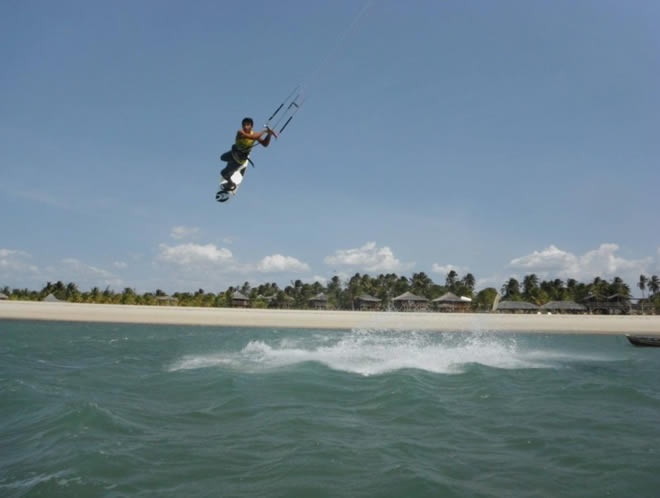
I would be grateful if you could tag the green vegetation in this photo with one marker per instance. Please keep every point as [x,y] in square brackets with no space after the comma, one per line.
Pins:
[343,294]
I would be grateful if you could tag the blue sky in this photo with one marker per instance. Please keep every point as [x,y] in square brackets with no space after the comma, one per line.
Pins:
[497,138]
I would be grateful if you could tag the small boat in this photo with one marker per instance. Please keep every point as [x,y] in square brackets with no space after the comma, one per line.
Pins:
[648,341]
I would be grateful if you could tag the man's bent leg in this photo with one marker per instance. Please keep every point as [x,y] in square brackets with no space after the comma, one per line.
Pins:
[231,168]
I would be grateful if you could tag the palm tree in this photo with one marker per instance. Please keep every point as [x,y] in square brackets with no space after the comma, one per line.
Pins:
[642,284]
[128,296]
[618,286]
[599,288]
[386,288]
[469,282]
[94,294]
[400,286]
[420,283]
[530,284]
[450,281]
[334,291]
[354,288]
[72,293]
[654,284]
[511,289]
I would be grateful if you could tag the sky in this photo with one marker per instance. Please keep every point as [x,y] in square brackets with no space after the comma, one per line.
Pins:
[497,138]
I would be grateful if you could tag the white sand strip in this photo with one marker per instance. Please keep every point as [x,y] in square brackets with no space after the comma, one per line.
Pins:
[448,322]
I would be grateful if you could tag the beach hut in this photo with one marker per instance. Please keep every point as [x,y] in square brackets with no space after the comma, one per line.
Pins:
[239,300]
[3,297]
[319,302]
[451,302]
[286,303]
[50,298]
[167,301]
[564,307]
[410,302]
[366,302]
[619,303]
[517,307]
[594,304]
[610,305]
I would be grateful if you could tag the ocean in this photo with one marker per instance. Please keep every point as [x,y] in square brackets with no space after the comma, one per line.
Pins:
[188,411]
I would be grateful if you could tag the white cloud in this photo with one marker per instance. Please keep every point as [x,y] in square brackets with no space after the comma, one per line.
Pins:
[15,261]
[194,254]
[120,265]
[603,262]
[16,269]
[368,257]
[84,275]
[445,269]
[180,232]
[77,265]
[551,259]
[41,197]
[279,263]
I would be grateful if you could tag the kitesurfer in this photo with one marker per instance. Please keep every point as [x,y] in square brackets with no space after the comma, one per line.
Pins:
[240,151]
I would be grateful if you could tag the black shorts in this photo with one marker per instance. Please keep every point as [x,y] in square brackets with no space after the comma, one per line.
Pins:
[232,165]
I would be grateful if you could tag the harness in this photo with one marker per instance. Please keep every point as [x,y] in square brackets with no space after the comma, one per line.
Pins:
[240,156]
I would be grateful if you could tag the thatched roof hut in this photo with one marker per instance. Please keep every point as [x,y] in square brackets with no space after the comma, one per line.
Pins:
[451,302]
[277,300]
[368,302]
[408,300]
[239,299]
[622,298]
[167,300]
[410,297]
[517,307]
[50,298]
[320,301]
[3,297]
[449,297]
[564,307]
[614,304]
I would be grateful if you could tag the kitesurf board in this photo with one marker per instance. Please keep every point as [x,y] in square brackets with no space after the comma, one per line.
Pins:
[223,195]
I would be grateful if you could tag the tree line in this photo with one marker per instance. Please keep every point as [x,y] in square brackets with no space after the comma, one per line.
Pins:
[342,294]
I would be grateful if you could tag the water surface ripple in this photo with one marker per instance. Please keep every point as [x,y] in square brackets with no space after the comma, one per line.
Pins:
[170,411]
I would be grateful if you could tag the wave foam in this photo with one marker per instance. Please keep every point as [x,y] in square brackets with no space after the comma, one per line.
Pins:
[373,353]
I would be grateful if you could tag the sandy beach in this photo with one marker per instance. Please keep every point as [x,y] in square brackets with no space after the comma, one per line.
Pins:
[443,322]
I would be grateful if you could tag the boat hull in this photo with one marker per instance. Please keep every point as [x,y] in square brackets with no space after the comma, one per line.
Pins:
[653,342]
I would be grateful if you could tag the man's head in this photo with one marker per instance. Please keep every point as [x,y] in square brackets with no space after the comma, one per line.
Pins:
[247,124]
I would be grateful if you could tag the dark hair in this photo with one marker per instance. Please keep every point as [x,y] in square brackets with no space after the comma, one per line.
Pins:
[247,120]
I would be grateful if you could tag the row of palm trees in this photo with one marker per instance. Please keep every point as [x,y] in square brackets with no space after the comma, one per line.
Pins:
[652,284]
[557,290]
[343,294]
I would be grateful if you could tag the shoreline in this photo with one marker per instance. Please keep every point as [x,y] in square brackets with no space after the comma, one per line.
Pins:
[330,319]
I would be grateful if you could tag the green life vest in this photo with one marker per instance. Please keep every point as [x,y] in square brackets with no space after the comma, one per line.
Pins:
[241,148]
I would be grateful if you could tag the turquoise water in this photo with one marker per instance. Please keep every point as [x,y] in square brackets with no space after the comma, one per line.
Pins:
[173,411]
